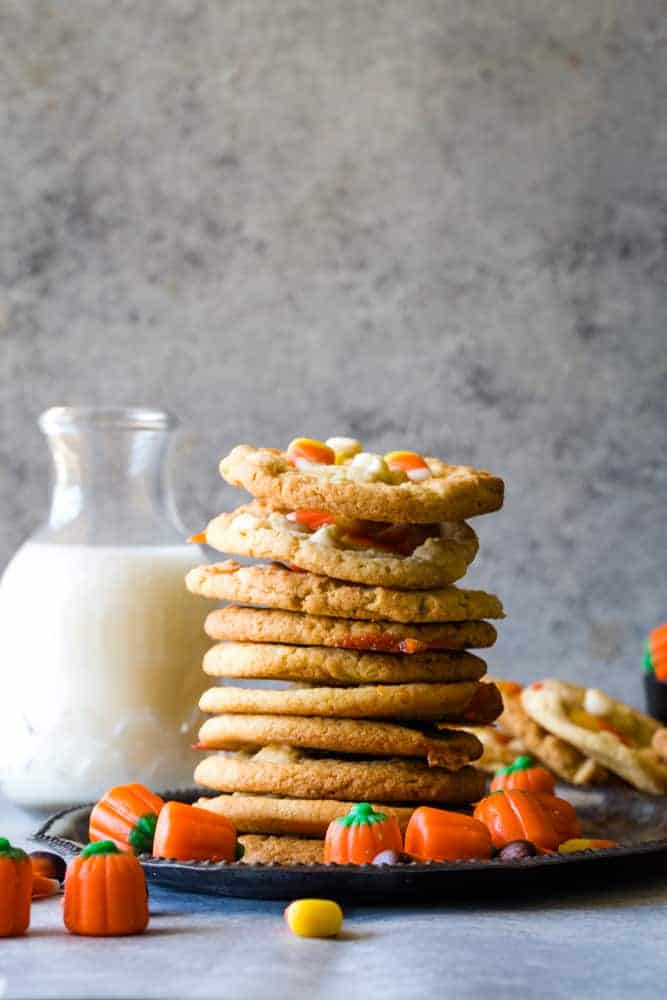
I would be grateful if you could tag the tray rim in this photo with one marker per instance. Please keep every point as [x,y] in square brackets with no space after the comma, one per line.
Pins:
[640,849]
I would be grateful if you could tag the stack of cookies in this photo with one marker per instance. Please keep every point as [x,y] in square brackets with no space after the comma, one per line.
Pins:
[357,612]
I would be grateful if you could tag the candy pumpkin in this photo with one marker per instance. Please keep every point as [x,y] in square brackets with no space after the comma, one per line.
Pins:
[126,815]
[655,653]
[356,838]
[105,893]
[15,890]
[524,774]
[543,819]
[187,833]
[438,835]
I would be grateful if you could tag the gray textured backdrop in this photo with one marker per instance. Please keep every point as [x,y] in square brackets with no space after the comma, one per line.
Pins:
[438,224]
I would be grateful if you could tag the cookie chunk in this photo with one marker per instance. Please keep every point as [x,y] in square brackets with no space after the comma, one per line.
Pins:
[281,850]
[440,555]
[354,489]
[260,625]
[498,749]
[448,748]
[377,701]
[275,586]
[608,731]
[296,817]
[556,754]
[299,776]
[334,667]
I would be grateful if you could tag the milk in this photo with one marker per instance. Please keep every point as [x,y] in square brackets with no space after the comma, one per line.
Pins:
[100,670]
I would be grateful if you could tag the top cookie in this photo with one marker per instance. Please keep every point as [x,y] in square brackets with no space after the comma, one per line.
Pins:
[358,484]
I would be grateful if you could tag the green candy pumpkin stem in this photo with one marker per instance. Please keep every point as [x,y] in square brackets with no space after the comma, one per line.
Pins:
[100,847]
[361,813]
[648,659]
[142,834]
[13,853]
[522,763]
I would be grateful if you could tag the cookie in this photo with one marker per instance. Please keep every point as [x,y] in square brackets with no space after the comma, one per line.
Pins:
[299,776]
[483,708]
[333,667]
[608,731]
[261,625]
[558,755]
[281,850]
[450,493]
[378,701]
[295,817]
[274,586]
[259,531]
[498,749]
[450,749]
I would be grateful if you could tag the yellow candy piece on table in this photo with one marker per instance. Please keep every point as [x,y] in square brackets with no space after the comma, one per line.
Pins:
[344,448]
[409,462]
[585,844]
[318,918]
[310,451]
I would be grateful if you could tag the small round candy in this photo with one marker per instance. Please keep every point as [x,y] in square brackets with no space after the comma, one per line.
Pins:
[318,918]
[391,858]
[517,850]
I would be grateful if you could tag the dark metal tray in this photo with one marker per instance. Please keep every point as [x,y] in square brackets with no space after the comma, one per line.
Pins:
[637,821]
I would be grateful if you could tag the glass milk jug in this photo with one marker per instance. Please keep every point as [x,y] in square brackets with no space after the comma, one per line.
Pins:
[100,642]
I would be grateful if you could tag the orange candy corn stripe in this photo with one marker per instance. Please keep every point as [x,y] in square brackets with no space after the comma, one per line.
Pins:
[409,462]
[310,450]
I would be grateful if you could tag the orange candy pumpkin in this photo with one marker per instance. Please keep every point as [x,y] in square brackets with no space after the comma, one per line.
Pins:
[15,890]
[105,893]
[356,838]
[187,833]
[655,653]
[438,835]
[525,775]
[126,815]
[544,820]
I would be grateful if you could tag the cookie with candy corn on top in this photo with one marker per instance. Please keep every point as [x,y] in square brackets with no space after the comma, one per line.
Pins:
[615,735]
[406,556]
[275,586]
[337,476]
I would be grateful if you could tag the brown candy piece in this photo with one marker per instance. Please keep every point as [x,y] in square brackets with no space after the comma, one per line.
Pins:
[518,850]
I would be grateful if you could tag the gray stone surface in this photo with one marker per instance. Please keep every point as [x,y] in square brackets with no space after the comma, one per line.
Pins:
[608,944]
[436,224]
